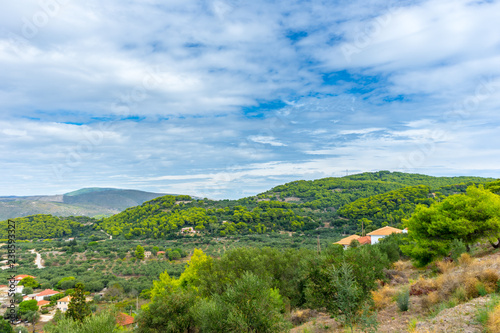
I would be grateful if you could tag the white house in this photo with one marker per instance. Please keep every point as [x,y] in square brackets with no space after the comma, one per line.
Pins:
[45,293]
[62,304]
[378,234]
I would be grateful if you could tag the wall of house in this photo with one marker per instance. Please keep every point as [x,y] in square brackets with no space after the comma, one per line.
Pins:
[375,239]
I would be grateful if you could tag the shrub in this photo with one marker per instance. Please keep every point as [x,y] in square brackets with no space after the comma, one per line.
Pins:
[383,296]
[470,285]
[493,323]
[403,300]
[460,294]
[444,266]
[489,278]
[465,259]
[168,313]
[423,287]
[481,289]
[249,305]
[457,248]
[431,299]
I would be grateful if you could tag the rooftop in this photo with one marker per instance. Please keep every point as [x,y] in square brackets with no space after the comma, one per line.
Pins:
[385,231]
[347,240]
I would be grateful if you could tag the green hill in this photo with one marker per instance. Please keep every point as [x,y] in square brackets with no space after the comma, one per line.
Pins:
[88,202]
[328,205]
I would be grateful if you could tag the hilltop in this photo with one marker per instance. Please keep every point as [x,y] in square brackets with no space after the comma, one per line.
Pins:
[86,202]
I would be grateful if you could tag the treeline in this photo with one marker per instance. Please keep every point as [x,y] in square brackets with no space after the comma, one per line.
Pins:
[337,192]
[165,216]
[45,226]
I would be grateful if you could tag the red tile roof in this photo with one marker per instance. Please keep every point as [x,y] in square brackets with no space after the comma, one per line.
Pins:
[42,302]
[47,292]
[124,319]
[22,276]
[364,240]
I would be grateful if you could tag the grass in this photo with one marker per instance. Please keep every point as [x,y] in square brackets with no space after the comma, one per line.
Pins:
[412,325]
[483,314]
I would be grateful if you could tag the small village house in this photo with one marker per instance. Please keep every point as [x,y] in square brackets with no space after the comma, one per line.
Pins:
[46,293]
[188,230]
[147,254]
[62,304]
[378,234]
[345,242]
[125,320]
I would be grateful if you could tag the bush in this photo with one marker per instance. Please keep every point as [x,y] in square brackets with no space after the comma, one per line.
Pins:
[168,313]
[456,249]
[465,259]
[493,323]
[383,296]
[403,300]
[250,305]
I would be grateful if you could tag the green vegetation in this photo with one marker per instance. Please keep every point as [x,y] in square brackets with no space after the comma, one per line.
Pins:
[466,217]
[78,309]
[139,252]
[262,255]
[388,208]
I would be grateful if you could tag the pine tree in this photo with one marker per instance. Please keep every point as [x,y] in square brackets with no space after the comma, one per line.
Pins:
[78,308]
[139,252]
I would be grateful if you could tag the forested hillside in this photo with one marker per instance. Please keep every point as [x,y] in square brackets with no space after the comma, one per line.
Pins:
[330,205]
[46,226]
[166,215]
[336,192]
[388,208]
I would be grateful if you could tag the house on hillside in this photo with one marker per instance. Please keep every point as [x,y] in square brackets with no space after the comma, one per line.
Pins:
[125,320]
[345,242]
[42,303]
[46,293]
[147,254]
[378,234]
[365,240]
[17,279]
[188,230]
[62,304]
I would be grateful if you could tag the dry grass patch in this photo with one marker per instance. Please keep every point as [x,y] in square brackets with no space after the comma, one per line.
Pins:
[423,286]
[383,296]
[465,259]
[401,265]
[493,324]
[445,266]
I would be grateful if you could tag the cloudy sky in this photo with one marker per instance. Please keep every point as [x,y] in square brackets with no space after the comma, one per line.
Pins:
[227,98]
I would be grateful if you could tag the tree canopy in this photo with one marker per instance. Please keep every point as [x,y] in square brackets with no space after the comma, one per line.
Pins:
[468,217]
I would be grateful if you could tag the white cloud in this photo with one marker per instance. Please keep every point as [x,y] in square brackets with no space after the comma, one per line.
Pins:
[266,140]
[206,83]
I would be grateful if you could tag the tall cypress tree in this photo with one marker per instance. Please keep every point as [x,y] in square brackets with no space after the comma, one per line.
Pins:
[78,308]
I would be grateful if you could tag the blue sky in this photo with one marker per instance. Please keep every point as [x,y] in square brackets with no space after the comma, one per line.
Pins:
[227,98]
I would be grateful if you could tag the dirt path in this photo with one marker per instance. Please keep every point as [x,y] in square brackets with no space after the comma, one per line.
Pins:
[110,237]
[38,260]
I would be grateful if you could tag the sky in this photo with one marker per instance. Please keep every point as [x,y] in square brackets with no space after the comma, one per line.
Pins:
[228,98]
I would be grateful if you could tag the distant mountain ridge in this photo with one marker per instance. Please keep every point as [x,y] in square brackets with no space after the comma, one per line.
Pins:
[92,202]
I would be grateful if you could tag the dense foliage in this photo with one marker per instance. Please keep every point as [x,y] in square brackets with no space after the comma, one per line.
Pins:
[44,226]
[388,208]
[466,217]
